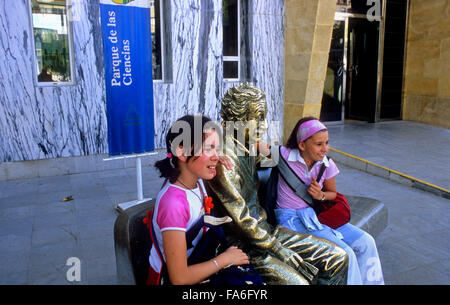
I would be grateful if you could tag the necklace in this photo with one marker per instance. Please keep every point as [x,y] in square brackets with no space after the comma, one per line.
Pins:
[201,201]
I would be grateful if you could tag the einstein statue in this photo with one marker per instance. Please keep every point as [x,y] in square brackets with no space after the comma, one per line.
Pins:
[279,255]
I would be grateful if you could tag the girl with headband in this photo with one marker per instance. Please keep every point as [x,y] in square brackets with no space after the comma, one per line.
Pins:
[305,152]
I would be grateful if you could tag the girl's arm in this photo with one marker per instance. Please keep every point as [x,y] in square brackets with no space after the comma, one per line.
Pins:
[174,243]
[328,190]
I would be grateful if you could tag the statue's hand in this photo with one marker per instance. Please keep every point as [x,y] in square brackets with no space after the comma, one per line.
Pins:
[226,161]
[294,260]
[290,257]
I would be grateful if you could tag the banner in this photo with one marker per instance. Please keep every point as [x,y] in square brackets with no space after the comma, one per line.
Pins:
[128,75]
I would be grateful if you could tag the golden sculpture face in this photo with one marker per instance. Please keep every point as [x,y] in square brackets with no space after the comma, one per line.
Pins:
[257,119]
[247,105]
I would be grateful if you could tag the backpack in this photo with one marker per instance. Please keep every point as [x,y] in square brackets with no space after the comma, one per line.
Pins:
[270,199]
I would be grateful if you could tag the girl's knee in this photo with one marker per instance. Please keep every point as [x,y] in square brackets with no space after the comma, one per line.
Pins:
[351,254]
[369,238]
[369,241]
[365,243]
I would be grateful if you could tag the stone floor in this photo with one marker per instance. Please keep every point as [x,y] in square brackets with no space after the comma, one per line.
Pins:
[416,149]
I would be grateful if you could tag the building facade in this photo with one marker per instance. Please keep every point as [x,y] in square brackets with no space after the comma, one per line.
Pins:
[42,121]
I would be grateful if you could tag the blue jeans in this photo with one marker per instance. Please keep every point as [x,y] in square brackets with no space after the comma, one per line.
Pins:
[364,263]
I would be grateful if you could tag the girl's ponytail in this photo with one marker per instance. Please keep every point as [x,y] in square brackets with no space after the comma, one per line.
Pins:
[168,169]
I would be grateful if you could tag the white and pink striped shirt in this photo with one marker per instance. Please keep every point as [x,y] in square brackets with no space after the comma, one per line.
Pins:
[176,208]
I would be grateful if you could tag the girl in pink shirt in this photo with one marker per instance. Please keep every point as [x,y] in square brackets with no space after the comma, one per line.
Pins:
[305,152]
[180,203]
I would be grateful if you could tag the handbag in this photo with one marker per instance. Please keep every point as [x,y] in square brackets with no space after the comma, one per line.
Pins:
[333,213]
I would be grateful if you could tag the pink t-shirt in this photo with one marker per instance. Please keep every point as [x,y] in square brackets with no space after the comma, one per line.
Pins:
[286,198]
[176,208]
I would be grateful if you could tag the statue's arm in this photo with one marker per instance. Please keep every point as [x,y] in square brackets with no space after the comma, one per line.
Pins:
[227,186]
[267,155]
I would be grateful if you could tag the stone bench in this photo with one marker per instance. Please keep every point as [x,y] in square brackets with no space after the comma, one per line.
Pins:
[132,239]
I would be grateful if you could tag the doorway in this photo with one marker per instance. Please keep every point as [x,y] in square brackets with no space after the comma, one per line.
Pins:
[362,69]
[333,92]
[351,84]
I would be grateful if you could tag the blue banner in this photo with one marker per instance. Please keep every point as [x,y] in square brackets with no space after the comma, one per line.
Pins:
[128,75]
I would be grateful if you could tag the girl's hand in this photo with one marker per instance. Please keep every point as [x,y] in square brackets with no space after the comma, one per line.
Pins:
[263,148]
[315,190]
[233,255]
[226,161]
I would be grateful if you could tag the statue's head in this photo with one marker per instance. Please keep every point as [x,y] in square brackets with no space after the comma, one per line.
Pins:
[245,103]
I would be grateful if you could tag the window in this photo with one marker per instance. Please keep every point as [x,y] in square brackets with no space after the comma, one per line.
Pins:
[157,37]
[231,39]
[52,41]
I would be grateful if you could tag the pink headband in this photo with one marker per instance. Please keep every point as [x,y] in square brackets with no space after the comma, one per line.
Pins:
[308,128]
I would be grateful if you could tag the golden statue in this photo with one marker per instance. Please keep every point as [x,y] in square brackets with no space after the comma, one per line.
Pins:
[279,255]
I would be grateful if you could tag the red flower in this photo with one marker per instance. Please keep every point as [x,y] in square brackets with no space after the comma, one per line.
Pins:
[208,204]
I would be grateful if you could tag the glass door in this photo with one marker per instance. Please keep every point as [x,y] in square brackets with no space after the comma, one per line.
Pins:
[361,99]
[353,79]
[334,88]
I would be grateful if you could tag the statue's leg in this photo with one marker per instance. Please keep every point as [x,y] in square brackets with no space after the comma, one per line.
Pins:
[275,272]
[329,258]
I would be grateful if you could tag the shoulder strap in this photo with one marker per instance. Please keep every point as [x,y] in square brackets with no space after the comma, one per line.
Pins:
[293,180]
[149,222]
[321,171]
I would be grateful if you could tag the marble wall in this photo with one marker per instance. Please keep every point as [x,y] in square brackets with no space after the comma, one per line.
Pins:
[51,122]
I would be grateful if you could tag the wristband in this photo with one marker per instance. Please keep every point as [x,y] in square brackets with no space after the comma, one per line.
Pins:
[323,197]
[215,263]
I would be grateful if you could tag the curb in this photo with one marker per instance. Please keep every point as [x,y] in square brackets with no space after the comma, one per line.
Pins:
[387,173]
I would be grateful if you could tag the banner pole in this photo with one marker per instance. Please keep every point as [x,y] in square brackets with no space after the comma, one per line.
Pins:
[139,178]
[140,196]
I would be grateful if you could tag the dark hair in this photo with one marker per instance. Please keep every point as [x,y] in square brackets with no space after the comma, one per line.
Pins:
[292,140]
[168,167]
